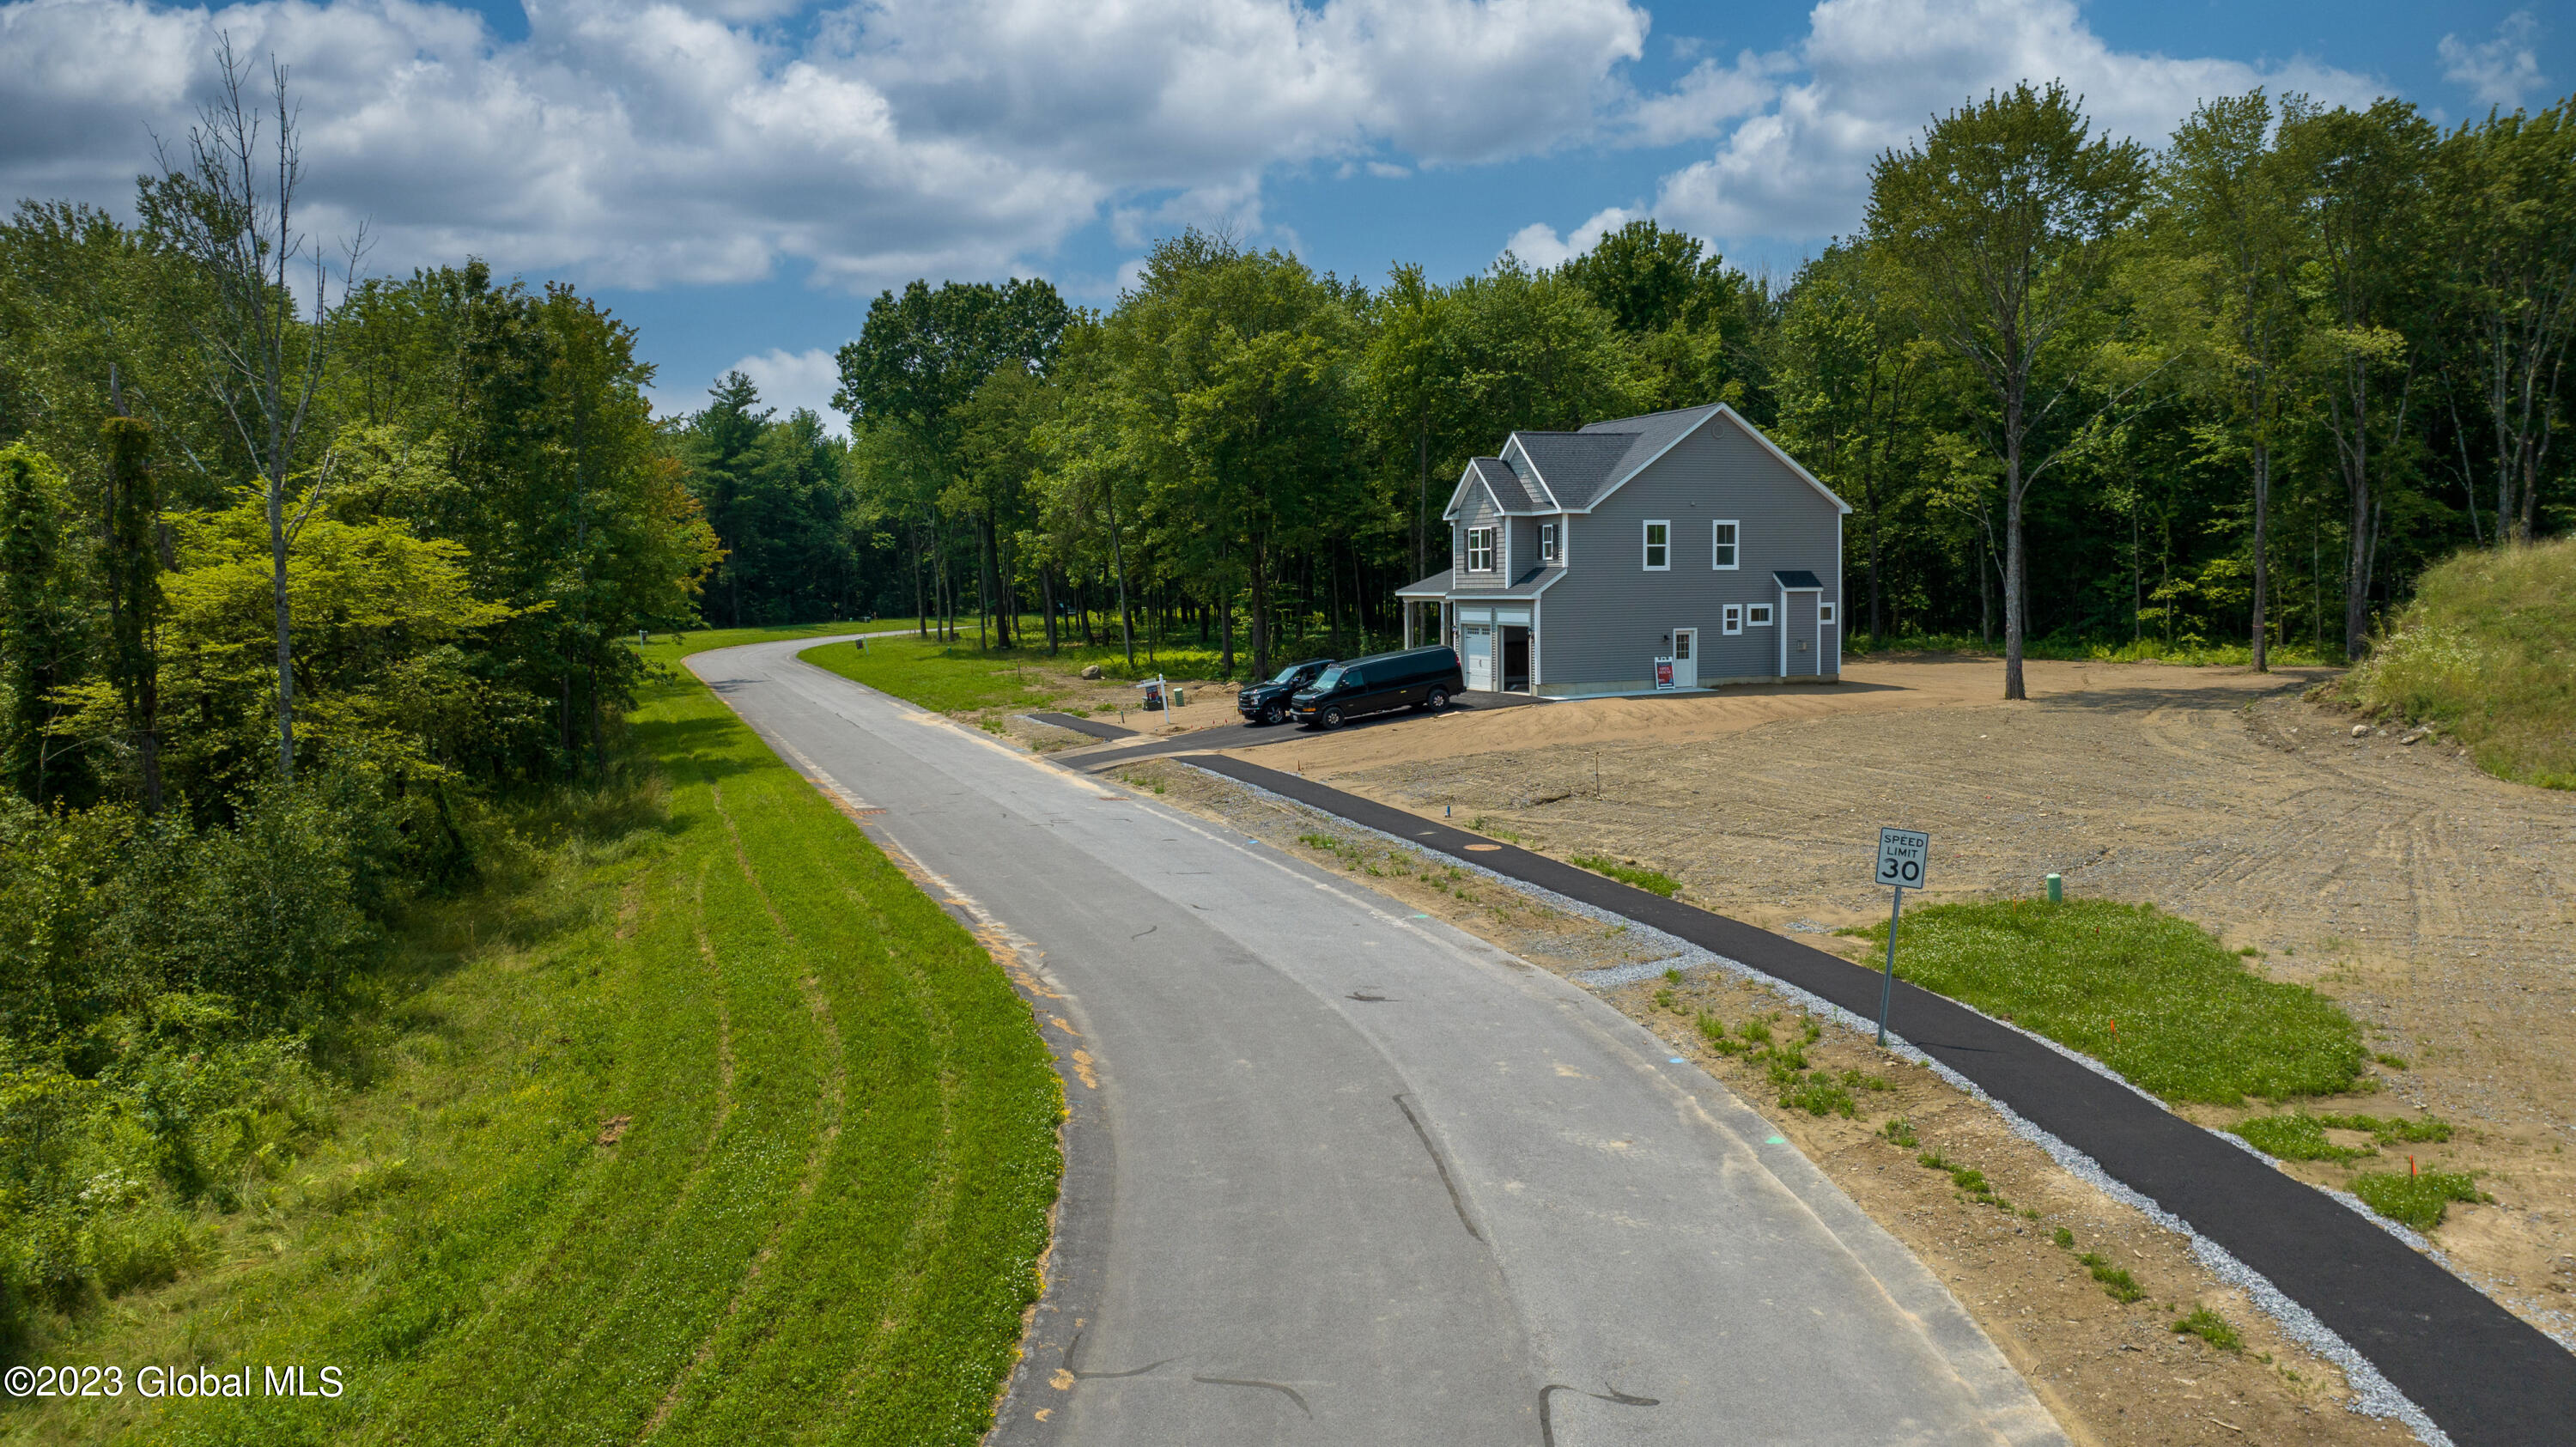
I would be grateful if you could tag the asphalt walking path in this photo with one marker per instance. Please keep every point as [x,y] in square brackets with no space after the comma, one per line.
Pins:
[1340,1173]
[2484,1376]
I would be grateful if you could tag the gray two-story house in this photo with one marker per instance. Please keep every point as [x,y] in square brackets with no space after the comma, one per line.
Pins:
[1680,549]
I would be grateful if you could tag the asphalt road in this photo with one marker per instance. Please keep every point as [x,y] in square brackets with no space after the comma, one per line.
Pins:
[1340,1174]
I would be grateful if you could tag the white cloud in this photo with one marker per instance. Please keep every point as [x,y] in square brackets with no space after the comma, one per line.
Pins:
[1709,96]
[2499,72]
[1539,245]
[789,380]
[659,143]
[1871,73]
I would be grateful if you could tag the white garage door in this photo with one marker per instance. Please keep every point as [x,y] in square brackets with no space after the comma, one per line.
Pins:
[1480,656]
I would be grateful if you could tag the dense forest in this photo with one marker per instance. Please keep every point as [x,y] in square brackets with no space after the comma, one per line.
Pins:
[308,578]
[2231,394]
[305,582]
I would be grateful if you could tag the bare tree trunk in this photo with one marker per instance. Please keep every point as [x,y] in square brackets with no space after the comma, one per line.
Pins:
[2014,578]
[1118,555]
[1260,607]
[2262,554]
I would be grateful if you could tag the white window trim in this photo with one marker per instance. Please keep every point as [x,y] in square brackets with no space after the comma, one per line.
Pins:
[1645,543]
[1714,545]
[1731,620]
[1758,615]
[1547,542]
[1824,612]
[1490,559]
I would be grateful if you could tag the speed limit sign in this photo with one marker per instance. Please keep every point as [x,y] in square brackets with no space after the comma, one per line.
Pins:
[1904,858]
[1904,862]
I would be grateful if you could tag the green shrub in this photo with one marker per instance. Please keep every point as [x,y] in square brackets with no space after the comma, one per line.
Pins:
[2212,1328]
[2116,1280]
[1819,1097]
[2487,651]
[2153,996]
[2417,1200]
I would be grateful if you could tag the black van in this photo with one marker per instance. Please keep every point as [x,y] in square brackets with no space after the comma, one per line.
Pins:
[1267,702]
[1416,678]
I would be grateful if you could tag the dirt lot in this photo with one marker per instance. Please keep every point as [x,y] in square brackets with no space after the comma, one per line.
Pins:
[2436,903]
[2114,1373]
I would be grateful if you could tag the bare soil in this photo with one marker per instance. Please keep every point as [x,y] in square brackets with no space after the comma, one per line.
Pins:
[2436,903]
[2114,1374]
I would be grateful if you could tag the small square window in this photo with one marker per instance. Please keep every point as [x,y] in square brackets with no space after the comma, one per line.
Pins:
[1659,546]
[1824,612]
[1758,615]
[1732,618]
[1721,546]
[1547,542]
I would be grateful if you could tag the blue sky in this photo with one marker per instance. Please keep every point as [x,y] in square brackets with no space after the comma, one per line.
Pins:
[738,177]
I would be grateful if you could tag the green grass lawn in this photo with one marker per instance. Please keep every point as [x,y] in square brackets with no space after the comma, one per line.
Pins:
[716,1130]
[960,677]
[952,678]
[2487,652]
[2150,995]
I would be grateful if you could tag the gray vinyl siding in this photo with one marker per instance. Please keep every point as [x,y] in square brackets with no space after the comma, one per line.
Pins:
[1608,621]
[1524,553]
[1479,512]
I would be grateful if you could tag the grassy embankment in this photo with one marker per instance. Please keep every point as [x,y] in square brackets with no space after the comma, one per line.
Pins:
[2486,653]
[719,1130]
[2156,998]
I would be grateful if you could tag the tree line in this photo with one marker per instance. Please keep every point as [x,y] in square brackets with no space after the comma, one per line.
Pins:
[309,583]
[2237,390]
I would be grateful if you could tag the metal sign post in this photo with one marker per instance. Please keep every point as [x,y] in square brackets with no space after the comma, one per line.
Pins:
[1904,862]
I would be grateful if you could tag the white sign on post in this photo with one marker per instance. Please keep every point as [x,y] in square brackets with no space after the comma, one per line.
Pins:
[1904,858]
[1904,862]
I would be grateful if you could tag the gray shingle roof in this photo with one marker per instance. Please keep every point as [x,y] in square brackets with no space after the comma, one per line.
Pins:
[1438,582]
[1573,470]
[1575,465]
[1797,578]
[1512,490]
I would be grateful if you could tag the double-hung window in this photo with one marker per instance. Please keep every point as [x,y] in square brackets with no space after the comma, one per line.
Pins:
[1721,546]
[1731,619]
[1480,550]
[1659,546]
[1547,542]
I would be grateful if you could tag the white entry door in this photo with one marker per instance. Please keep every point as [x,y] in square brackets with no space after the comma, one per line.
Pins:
[1480,656]
[1685,658]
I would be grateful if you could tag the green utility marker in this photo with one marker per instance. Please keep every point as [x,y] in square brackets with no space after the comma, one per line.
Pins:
[2056,889]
